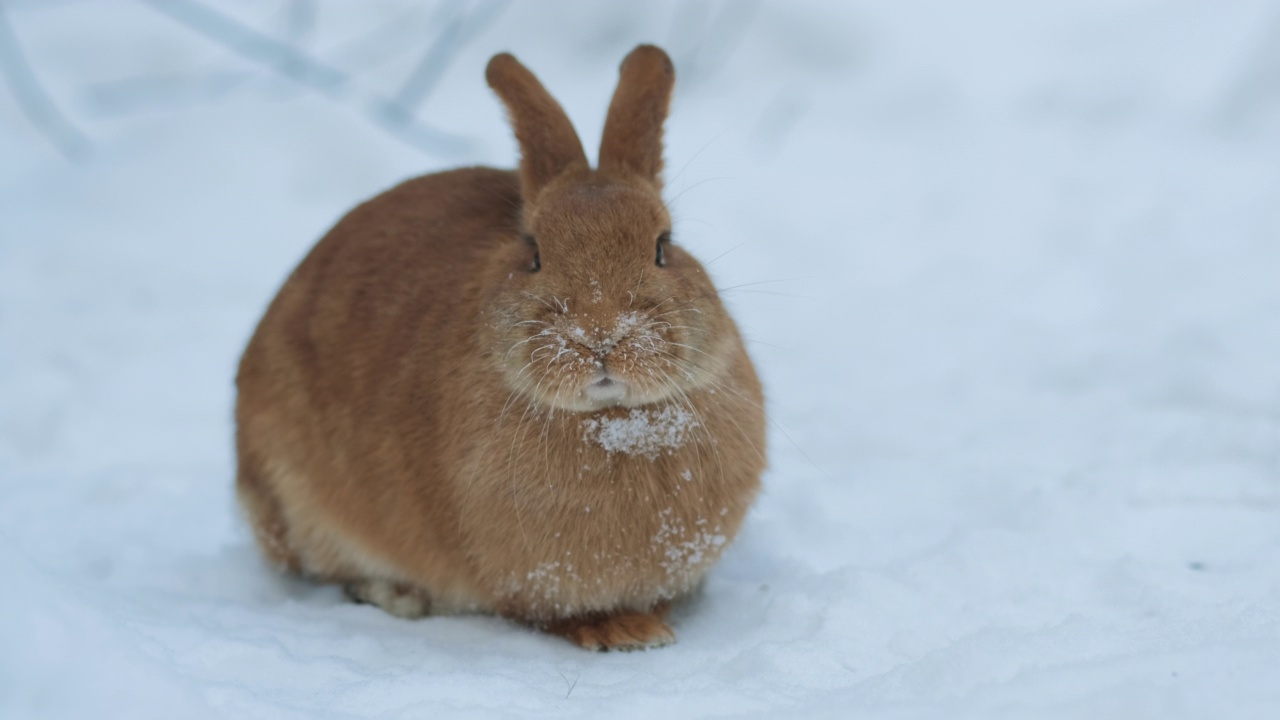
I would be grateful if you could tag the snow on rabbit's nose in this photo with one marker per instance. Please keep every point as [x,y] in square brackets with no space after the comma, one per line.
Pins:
[591,336]
[603,334]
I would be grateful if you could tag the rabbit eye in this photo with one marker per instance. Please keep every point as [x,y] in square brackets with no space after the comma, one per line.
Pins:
[663,239]
[536,265]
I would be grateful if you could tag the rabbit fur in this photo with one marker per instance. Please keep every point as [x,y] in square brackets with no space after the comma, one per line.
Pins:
[508,392]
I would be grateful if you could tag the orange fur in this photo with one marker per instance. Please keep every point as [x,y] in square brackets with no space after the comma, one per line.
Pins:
[426,419]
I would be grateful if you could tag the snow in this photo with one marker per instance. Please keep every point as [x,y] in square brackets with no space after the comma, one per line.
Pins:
[1008,271]
[689,555]
[641,431]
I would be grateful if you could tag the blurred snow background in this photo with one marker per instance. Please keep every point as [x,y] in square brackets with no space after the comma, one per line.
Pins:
[1010,270]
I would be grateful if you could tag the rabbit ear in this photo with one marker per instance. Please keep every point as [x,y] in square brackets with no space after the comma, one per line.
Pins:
[633,130]
[548,143]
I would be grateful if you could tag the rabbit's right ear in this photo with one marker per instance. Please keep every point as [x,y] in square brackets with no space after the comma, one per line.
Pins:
[548,143]
[632,139]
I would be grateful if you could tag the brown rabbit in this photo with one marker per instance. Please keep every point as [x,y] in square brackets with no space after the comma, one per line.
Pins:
[510,393]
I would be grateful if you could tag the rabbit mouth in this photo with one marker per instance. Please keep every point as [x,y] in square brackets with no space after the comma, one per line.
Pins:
[606,391]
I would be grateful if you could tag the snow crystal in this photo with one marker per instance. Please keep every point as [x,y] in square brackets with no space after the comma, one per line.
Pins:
[544,582]
[628,322]
[642,431]
[684,551]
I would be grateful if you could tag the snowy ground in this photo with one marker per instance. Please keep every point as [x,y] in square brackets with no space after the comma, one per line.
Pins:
[1018,317]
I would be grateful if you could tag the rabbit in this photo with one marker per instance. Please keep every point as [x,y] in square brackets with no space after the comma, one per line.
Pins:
[508,392]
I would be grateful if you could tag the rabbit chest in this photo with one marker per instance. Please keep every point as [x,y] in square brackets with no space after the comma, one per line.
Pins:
[584,510]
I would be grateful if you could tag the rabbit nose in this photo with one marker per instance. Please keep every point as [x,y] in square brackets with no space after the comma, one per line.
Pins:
[604,346]
[601,335]
[599,341]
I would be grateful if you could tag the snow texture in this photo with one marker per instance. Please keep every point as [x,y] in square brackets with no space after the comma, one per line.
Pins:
[1009,271]
[642,431]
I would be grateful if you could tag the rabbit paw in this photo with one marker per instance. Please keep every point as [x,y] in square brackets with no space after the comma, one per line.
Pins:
[626,630]
[399,599]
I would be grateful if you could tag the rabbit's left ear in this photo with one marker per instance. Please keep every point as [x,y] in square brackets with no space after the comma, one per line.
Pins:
[632,140]
[549,145]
